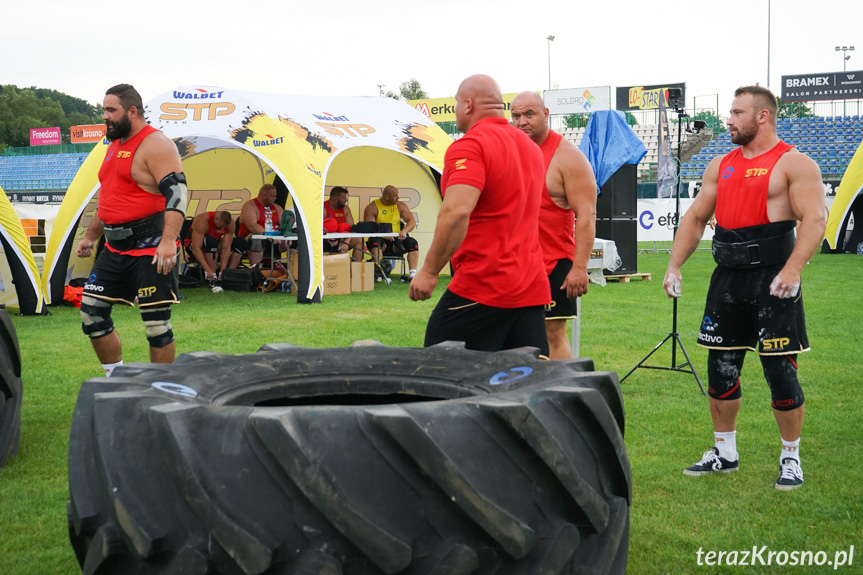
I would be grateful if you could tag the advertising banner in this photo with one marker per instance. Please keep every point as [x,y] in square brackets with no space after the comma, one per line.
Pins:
[87,134]
[666,165]
[831,86]
[443,109]
[645,97]
[577,100]
[44,136]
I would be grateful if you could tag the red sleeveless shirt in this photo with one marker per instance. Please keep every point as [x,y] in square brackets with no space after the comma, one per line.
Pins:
[274,217]
[214,231]
[741,193]
[121,199]
[556,224]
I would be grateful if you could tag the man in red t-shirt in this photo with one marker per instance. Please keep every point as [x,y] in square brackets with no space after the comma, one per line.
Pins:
[567,217]
[142,202]
[758,193]
[487,225]
[338,218]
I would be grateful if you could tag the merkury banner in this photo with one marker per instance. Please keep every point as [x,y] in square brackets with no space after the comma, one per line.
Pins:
[443,109]
[645,97]
[830,86]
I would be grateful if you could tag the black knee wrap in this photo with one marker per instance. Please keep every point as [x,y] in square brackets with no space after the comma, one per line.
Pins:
[723,373]
[780,371]
[96,319]
[158,324]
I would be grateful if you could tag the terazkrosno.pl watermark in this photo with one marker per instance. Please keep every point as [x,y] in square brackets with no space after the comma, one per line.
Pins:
[758,556]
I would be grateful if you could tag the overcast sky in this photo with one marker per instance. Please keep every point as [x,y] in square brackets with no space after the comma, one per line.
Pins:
[349,47]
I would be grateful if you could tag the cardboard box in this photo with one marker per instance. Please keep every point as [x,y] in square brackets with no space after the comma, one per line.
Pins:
[362,276]
[337,274]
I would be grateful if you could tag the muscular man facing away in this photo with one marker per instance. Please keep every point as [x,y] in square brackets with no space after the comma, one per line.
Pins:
[487,224]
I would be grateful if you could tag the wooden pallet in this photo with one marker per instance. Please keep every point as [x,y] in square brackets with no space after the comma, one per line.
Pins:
[625,278]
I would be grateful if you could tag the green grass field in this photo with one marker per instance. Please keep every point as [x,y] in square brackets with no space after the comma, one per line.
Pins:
[667,422]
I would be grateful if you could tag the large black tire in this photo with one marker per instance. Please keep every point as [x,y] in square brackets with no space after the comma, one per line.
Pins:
[11,388]
[365,460]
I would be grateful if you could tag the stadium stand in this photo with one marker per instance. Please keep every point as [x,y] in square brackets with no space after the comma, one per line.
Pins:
[49,172]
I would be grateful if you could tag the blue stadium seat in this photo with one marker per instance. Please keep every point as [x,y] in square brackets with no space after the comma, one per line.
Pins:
[833,170]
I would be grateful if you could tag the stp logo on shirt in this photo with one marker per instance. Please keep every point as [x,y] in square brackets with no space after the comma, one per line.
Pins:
[755,172]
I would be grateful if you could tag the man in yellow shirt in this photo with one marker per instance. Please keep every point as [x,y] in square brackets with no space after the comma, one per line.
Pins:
[389,210]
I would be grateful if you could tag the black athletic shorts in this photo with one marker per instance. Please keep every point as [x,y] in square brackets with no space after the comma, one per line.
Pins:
[741,314]
[561,307]
[118,278]
[211,245]
[485,328]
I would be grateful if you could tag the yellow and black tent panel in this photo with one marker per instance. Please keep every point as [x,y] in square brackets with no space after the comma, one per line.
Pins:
[848,201]
[232,142]
[19,275]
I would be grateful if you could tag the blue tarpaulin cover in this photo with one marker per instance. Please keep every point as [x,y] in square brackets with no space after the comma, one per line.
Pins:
[609,143]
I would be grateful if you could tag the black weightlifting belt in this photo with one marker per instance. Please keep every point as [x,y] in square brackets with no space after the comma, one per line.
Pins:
[754,246]
[139,234]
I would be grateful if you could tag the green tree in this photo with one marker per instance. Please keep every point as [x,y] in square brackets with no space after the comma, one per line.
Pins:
[410,90]
[711,119]
[793,110]
[22,109]
[576,120]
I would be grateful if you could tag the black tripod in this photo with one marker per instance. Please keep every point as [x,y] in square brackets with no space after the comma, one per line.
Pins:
[674,97]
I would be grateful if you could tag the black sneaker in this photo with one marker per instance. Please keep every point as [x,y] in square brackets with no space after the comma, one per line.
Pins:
[406,279]
[711,463]
[790,475]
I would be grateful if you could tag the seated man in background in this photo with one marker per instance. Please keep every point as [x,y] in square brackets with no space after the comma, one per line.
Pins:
[389,210]
[253,221]
[339,219]
[212,236]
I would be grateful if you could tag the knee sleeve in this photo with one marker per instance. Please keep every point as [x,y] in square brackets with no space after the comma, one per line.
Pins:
[372,243]
[96,319]
[158,324]
[410,244]
[723,373]
[780,371]
[239,245]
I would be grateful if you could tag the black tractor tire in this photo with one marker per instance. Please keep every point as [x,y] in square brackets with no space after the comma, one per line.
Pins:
[358,461]
[11,389]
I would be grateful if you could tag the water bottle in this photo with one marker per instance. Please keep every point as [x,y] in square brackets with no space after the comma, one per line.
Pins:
[860,249]
[268,222]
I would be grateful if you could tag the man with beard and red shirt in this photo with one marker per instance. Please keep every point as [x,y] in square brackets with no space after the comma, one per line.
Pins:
[758,193]
[567,217]
[142,201]
[487,224]
[338,218]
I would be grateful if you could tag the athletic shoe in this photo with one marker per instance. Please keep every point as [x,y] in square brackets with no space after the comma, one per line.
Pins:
[790,475]
[406,279]
[711,463]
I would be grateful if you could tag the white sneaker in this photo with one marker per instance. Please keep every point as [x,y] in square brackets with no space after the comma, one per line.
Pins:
[790,475]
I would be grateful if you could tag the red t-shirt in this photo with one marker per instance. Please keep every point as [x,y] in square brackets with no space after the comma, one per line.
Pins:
[741,192]
[121,199]
[556,224]
[499,263]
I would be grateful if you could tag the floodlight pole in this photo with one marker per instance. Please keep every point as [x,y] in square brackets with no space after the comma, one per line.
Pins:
[550,40]
[673,335]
